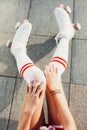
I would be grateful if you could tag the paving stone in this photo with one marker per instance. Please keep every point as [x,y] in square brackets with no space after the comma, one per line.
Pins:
[80,15]
[78,105]
[79,61]
[7,61]
[40,49]
[42,16]
[11,12]
[6,93]
[16,106]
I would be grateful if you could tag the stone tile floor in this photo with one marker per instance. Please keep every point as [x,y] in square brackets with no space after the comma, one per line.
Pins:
[40,48]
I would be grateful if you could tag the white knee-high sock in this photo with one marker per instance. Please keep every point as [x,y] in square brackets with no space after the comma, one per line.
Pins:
[66,33]
[26,67]
[28,70]
[60,57]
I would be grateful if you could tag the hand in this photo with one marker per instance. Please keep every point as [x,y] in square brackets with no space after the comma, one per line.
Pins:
[51,73]
[33,97]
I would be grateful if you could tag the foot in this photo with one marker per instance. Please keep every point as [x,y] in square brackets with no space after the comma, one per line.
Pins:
[21,38]
[65,26]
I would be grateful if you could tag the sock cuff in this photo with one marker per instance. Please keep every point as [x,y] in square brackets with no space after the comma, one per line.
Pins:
[25,67]
[60,60]
[59,36]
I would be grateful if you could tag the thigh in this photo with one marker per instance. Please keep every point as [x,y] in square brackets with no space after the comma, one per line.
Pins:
[37,118]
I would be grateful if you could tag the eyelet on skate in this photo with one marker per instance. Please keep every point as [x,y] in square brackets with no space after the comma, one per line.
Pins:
[17,25]
[67,8]
[76,26]
[8,44]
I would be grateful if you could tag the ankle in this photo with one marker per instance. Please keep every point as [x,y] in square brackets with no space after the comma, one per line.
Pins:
[60,37]
[17,50]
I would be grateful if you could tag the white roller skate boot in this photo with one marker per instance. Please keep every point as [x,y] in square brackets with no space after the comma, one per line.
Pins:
[66,28]
[21,38]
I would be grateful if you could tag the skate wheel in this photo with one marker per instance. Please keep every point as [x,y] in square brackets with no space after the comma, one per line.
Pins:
[61,6]
[8,44]
[17,26]
[68,9]
[77,26]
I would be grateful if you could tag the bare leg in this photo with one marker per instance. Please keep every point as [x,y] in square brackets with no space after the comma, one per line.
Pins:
[53,116]
[38,116]
[63,113]
[37,119]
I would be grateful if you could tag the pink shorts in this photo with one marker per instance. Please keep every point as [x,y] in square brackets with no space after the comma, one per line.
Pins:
[52,127]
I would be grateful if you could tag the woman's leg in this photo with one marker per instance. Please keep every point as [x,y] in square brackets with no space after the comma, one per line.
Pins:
[60,58]
[38,117]
[53,117]
[26,67]
[56,90]
[66,33]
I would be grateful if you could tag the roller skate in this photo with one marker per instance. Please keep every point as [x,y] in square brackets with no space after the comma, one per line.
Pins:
[66,28]
[22,30]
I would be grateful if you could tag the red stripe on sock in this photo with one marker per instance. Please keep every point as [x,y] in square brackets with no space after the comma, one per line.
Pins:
[56,57]
[26,68]
[59,62]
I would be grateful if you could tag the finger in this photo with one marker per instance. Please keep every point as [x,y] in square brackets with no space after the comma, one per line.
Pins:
[43,85]
[31,86]
[36,82]
[38,91]
[47,69]
[26,88]
[56,70]
[45,73]
[51,67]
[41,90]
[42,94]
